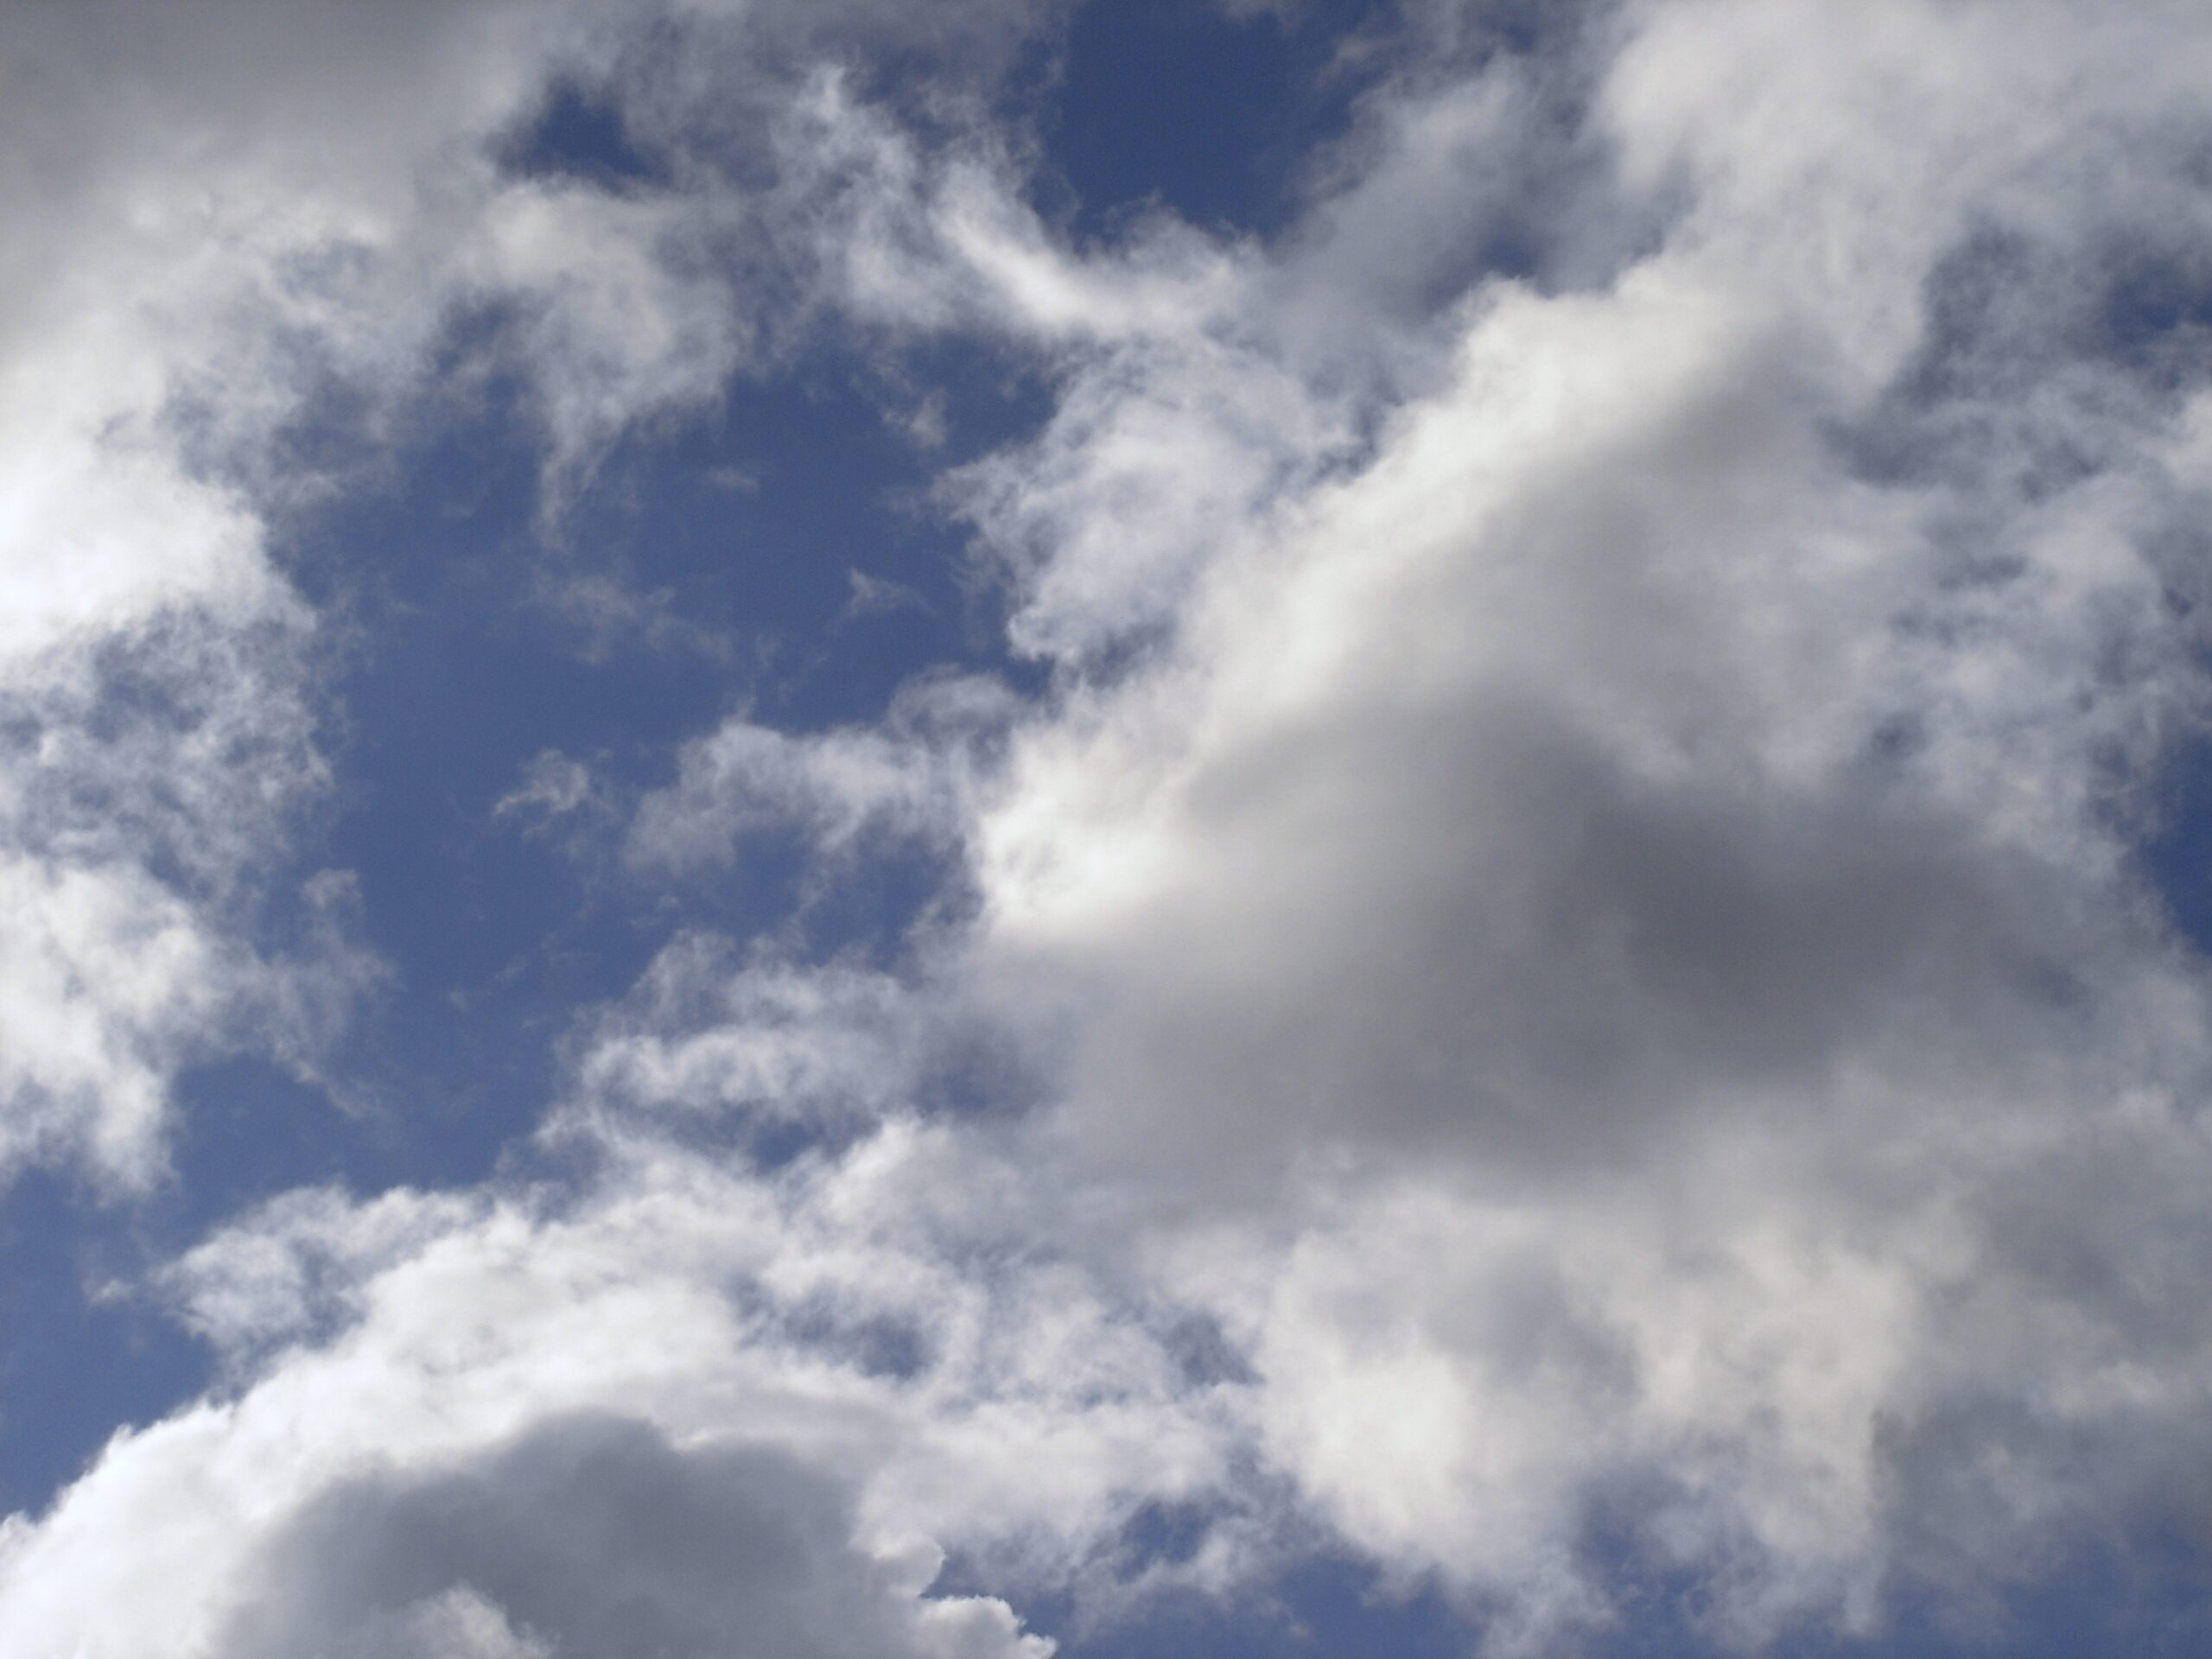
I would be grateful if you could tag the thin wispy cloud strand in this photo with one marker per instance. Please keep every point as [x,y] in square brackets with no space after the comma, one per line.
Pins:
[1117,829]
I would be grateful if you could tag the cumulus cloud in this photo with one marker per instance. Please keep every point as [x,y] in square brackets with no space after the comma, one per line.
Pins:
[1656,835]
[887,1323]
[1648,814]
[596,1535]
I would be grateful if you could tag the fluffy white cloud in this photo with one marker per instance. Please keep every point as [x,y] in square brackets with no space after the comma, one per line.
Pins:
[877,1346]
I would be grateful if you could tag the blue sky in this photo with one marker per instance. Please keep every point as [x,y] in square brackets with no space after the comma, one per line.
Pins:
[1127,829]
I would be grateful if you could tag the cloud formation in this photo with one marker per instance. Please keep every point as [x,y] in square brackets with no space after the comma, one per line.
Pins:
[1656,836]
[1542,965]
[592,1535]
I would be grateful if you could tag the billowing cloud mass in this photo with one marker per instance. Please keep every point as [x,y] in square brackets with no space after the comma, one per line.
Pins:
[1521,936]
[596,1535]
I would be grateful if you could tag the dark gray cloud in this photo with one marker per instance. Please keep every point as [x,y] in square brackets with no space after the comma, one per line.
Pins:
[589,1537]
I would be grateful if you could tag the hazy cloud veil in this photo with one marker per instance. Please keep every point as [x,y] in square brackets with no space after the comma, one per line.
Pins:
[1521,939]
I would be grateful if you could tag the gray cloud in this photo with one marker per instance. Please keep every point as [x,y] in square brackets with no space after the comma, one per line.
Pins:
[595,1536]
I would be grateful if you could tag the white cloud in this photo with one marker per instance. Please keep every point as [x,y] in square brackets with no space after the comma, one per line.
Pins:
[553,786]
[909,781]
[106,982]
[707,1033]
[874,1345]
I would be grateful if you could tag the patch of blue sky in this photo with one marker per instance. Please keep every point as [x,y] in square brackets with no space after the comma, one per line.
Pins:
[78,1363]
[579,133]
[1326,1607]
[2135,1591]
[2177,855]
[487,649]
[1214,113]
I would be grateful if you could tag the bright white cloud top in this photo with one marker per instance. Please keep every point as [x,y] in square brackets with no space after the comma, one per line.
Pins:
[1539,964]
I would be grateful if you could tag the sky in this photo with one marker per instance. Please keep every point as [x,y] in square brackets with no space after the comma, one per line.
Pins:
[1128,829]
